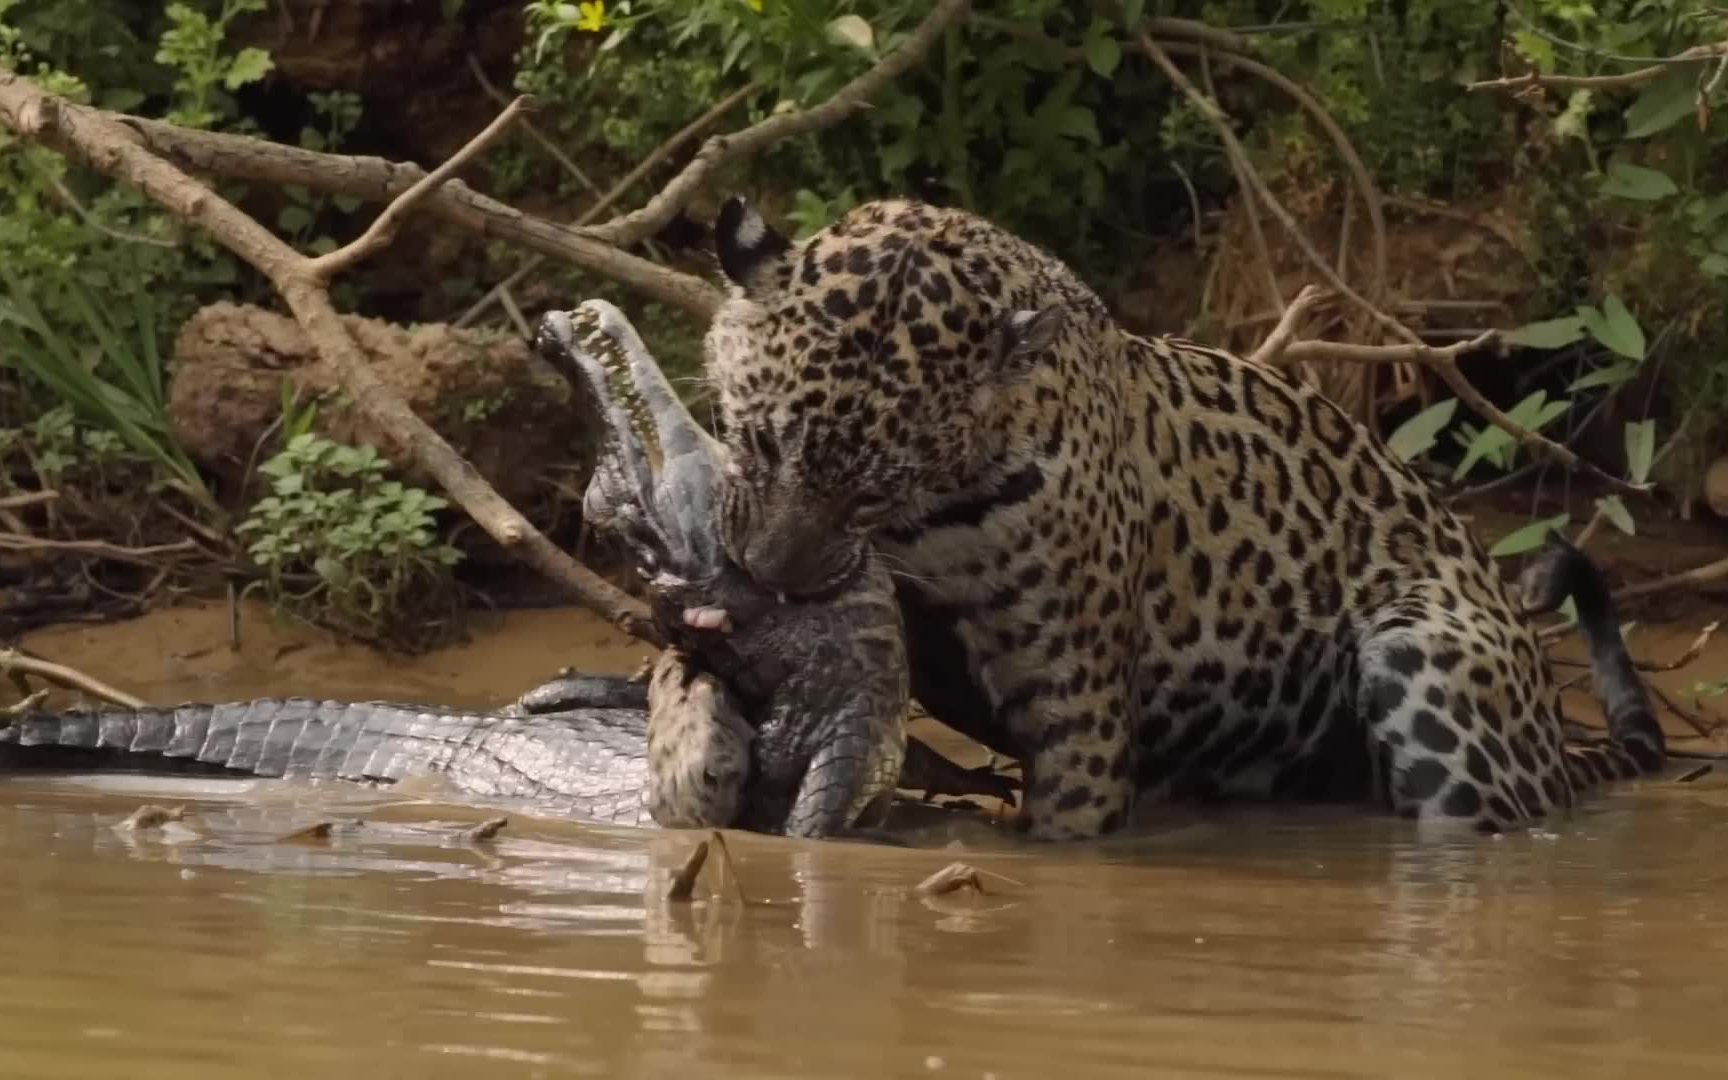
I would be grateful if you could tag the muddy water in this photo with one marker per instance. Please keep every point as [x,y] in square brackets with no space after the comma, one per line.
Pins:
[1236,945]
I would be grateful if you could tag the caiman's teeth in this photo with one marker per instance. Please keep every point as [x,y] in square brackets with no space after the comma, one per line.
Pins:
[782,596]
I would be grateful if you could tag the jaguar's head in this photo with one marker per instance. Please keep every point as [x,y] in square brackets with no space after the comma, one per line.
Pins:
[860,372]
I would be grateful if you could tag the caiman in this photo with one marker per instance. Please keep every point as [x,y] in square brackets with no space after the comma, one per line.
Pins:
[777,717]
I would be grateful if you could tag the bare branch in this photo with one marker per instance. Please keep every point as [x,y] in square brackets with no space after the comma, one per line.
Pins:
[617,191]
[110,148]
[374,179]
[100,549]
[11,661]
[27,498]
[721,149]
[384,226]
[1273,348]
[1517,83]
[1702,575]
[552,149]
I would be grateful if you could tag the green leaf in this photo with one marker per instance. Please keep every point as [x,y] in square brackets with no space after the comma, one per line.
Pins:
[1552,334]
[1615,328]
[291,219]
[1615,511]
[1132,10]
[346,203]
[1640,450]
[1416,435]
[1612,375]
[1714,265]
[1103,54]
[248,65]
[1528,538]
[1664,102]
[1637,182]
[854,31]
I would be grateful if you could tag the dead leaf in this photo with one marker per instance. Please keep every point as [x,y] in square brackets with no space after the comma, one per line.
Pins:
[486,830]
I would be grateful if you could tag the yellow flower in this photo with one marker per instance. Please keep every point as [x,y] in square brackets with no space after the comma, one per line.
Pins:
[593,15]
[755,5]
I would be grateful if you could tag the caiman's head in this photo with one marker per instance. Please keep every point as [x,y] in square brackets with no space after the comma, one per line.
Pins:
[860,372]
[656,481]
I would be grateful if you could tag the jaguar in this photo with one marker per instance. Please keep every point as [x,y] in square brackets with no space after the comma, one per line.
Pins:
[1150,569]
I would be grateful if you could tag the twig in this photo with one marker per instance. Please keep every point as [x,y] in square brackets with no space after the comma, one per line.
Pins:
[107,146]
[531,128]
[384,226]
[65,195]
[1693,720]
[1564,43]
[1692,653]
[1437,360]
[1193,201]
[1229,55]
[616,192]
[1239,166]
[1272,349]
[1602,82]
[1702,575]
[27,498]
[719,150]
[102,549]
[11,660]
[1418,353]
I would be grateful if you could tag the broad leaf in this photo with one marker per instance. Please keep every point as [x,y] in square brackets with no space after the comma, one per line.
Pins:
[1103,54]
[1615,328]
[1528,538]
[854,31]
[1637,182]
[1612,375]
[1640,450]
[1664,101]
[1615,511]
[1552,334]
[1415,436]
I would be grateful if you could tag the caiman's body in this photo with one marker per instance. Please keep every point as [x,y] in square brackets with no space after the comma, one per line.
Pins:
[590,764]
[791,721]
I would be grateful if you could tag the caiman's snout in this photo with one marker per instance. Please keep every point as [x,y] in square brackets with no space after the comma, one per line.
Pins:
[554,335]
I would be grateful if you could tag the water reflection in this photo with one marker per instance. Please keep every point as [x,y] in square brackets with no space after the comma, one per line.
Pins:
[1249,945]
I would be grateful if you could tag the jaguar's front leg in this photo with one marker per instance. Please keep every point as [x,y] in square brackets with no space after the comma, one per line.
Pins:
[1079,780]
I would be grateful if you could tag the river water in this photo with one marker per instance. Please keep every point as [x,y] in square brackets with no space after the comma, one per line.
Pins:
[1244,944]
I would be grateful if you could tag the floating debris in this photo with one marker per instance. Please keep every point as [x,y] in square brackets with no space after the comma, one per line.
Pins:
[486,830]
[151,816]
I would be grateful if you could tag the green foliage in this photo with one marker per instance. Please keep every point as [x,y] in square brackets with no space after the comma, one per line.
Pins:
[206,73]
[341,545]
[111,378]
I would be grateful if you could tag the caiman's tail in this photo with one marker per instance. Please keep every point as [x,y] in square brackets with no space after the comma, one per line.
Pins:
[1635,744]
[266,737]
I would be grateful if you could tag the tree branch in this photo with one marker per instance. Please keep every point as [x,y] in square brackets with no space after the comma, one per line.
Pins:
[383,228]
[374,179]
[616,192]
[721,149]
[108,147]
[1516,83]
[13,661]
[1277,343]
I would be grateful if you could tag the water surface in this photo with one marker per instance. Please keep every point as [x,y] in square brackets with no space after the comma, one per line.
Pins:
[1247,944]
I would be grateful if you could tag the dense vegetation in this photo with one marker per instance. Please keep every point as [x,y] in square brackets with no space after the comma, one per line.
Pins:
[1602,211]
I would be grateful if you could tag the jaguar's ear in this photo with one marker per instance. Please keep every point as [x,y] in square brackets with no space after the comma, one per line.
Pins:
[1025,334]
[744,241]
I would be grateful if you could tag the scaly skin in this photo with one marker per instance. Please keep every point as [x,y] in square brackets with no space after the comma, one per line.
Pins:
[822,681]
[590,764]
